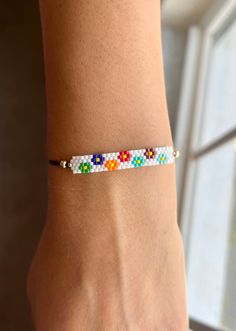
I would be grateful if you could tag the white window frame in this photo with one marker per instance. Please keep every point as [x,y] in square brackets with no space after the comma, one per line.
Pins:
[199,43]
[200,39]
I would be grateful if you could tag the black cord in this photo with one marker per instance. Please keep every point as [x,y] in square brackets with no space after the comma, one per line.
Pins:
[54,162]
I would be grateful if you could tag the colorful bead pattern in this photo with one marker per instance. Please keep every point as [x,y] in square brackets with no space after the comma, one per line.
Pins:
[122,160]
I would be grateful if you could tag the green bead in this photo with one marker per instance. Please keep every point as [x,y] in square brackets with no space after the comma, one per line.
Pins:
[85,167]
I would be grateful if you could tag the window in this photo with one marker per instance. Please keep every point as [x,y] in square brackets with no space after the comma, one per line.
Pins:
[206,135]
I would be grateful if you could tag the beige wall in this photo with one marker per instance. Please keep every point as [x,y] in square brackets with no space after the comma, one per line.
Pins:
[174,42]
[183,13]
[22,156]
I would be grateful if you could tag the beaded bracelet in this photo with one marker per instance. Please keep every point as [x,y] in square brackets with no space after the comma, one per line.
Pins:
[127,159]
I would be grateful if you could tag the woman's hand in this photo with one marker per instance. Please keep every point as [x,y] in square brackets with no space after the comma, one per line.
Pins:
[110,257]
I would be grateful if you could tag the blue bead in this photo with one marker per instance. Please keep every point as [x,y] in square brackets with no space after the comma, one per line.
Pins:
[97,159]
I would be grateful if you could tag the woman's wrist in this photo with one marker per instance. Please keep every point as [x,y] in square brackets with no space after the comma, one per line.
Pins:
[116,222]
[118,241]
[143,188]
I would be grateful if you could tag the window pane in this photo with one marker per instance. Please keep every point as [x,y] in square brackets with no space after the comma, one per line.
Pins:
[219,108]
[210,246]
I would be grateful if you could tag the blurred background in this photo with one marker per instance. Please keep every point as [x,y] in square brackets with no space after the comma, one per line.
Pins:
[199,45]
[199,39]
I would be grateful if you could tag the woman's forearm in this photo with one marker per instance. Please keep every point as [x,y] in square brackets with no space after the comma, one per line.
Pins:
[112,237]
[104,76]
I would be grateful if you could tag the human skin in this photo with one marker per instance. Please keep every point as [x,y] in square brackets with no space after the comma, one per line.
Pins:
[111,255]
